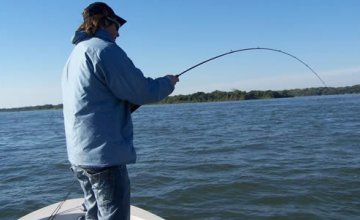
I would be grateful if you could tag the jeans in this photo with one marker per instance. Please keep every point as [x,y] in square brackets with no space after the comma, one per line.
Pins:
[106,192]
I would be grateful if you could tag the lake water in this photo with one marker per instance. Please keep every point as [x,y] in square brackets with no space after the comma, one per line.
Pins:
[296,158]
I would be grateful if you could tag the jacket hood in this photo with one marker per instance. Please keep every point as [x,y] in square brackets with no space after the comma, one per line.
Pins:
[82,35]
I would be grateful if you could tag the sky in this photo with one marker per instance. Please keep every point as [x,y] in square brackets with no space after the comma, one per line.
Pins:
[166,37]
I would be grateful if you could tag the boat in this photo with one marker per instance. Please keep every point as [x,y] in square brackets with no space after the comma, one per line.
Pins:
[72,209]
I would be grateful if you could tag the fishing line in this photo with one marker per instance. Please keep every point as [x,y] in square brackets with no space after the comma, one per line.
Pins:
[134,107]
[58,207]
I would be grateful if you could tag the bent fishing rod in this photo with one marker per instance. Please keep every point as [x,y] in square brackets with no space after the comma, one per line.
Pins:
[134,107]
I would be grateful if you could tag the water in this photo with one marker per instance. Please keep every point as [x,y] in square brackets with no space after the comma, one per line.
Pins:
[296,158]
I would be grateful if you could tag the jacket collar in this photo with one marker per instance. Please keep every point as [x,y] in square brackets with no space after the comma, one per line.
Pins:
[82,35]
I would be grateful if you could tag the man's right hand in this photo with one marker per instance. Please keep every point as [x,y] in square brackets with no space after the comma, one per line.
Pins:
[173,79]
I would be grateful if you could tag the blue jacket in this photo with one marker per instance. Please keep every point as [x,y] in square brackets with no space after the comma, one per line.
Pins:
[99,82]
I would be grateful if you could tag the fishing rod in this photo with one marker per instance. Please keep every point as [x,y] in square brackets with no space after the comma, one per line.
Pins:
[134,107]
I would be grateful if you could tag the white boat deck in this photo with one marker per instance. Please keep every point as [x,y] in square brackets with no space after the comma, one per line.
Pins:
[71,209]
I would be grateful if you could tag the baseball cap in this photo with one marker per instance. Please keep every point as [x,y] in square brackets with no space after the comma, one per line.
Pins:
[100,8]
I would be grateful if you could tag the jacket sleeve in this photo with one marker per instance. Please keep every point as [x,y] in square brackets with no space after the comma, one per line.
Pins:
[128,82]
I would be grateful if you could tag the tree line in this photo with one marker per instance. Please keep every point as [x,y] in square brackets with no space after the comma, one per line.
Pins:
[32,108]
[235,95]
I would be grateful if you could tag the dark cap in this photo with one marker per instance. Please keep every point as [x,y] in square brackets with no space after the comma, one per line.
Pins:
[100,8]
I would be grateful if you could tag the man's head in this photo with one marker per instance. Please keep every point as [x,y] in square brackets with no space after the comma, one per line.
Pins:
[100,15]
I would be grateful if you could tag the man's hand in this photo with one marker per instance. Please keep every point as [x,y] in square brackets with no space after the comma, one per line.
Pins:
[173,79]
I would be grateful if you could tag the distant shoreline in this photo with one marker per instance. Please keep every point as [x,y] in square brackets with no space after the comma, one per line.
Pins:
[235,95]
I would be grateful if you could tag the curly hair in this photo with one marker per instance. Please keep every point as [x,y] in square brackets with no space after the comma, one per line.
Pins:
[93,23]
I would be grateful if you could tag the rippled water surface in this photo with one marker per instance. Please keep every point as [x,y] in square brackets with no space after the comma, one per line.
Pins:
[296,158]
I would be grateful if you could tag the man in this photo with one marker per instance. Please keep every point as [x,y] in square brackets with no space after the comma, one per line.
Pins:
[100,85]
